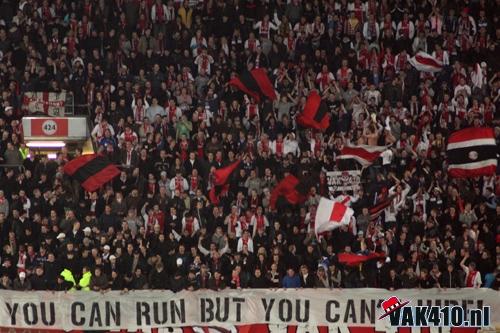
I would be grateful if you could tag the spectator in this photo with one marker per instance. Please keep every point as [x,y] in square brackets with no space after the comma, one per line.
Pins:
[393,282]
[306,280]
[99,280]
[321,280]
[158,277]
[21,283]
[450,278]
[291,280]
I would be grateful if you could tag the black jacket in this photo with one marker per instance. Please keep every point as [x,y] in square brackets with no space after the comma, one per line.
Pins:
[307,282]
[450,280]
[158,280]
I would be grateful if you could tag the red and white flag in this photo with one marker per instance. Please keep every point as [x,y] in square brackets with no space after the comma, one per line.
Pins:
[331,215]
[472,152]
[424,62]
[364,154]
[49,103]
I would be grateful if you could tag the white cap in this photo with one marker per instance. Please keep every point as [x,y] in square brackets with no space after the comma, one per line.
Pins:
[61,236]
[112,257]
[483,65]
[106,247]
[22,274]
[87,229]
[179,261]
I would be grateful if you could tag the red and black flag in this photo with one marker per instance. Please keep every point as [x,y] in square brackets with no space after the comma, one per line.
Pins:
[315,113]
[255,83]
[92,171]
[220,178]
[472,152]
[352,259]
[377,210]
[292,189]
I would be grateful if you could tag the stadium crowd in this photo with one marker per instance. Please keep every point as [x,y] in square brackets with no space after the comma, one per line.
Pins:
[155,76]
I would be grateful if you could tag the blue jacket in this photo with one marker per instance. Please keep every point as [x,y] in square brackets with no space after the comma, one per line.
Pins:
[291,282]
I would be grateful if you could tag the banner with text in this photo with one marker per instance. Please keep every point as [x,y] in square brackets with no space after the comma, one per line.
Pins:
[49,103]
[147,309]
[340,181]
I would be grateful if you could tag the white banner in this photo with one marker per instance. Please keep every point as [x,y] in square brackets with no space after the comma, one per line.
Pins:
[49,103]
[85,310]
[340,181]
[49,128]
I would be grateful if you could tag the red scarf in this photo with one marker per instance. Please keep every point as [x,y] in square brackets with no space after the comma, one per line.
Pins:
[402,61]
[222,112]
[236,279]
[264,29]
[88,9]
[445,112]
[421,26]
[261,223]
[194,183]
[312,221]
[189,225]
[279,148]
[85,28]
[264,146]
[243,223]
[440,55]
[372,30]
[140,111]
[405,29]
[254,202]
[184,150]
[358,12]
[143,24]
[129,136]
[470,279]
[71,42]
[200,148]
[147,128]
[363,59]
[324,79]
[344,76]
[482,42]
[252,110]
[317,146]
[251,44]
[179,183]
[160,15]
[151,187]
[488,113]
[172,112]
[464,42]
[204,62]
[46,13]
[290,43]
[233,219]
[372,8]
[151,222]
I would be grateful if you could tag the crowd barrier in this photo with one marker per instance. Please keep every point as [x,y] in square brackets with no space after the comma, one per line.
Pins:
[308,310]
